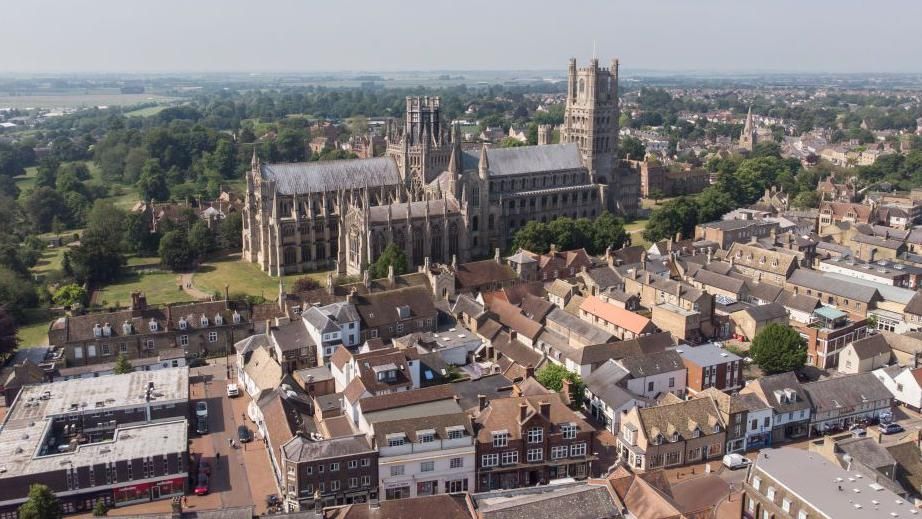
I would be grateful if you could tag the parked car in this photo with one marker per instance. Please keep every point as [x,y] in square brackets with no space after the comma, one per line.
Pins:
[890,428]
[233,390]
[736,461]
[858,431]
[885,417]
[201,408]
[244,434]
[201,424]
[204,467]
[201,485]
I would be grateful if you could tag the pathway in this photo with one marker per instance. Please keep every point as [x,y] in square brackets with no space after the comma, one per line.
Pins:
[188,286]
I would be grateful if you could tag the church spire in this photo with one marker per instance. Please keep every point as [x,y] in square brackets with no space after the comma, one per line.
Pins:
[747,128]
[254,162]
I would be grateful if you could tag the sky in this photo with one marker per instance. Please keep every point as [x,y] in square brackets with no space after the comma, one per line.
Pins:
[89,36]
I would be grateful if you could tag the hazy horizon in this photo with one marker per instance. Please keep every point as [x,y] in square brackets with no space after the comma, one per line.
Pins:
[291,36]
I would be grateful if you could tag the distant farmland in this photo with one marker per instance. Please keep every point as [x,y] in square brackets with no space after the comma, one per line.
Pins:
[78,100]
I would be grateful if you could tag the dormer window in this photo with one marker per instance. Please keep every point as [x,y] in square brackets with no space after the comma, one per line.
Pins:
[500,438]
[152,325]
[675,437]
[236,317]
[396,439]
[426,436]
[204,321]
[97,330]
[696,433]
[126,328]
[218,320]
[183,323]
[569,431]
[107,330]
[717,428]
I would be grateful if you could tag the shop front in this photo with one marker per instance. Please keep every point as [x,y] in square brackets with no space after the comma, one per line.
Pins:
[149,491]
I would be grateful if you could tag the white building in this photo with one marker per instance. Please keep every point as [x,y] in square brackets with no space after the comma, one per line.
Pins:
[424,439]
[332,325]
[605,399]
[759,416]
[905,384]
[650,376]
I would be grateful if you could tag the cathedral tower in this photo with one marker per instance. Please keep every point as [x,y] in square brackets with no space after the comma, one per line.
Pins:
[591,117]
[422,148]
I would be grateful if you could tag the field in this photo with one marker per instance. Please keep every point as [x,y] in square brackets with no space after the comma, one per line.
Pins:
[159,287]
[34,332]
[24,182]
[78,100]
[146,112]
[243,277]
[50,261]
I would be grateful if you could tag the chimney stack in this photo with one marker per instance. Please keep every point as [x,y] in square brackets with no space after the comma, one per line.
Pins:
[545,408]
[529,372]
[390,274]
[496,256]
[523,411]
[567,389]
[481,402]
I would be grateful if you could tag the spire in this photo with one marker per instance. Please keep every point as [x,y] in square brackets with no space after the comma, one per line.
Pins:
[747,128]
[484,162]
[254,162]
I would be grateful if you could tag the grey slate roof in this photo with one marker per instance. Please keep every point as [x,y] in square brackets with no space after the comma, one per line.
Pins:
[827,284]
[799,302]
[527,159]
[300,448]
[653,364]
[871,346]
[318,177]
[846,391]
[707,354]
[592,334]
[573,501]
[762,313]
[719,281]
[780,382]
[603,383]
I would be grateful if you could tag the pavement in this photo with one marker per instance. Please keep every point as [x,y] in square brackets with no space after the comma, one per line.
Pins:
[188,286]
[241,476]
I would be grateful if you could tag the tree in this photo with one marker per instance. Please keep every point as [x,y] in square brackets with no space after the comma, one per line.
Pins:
[138,238]
[100,509]
[42,206]
[201,239]
[41,504]
[656,195]
[16,293]
[8,339]
[231,231]
[676,216]
[631,147]
[552,376]
[99,257]
[535,237]
[175,252]
[778,348]
[607,231]
[806,200]
[47,173]
[152,183]
[122,365]
[392,255]
[511,142]
[70,295]
[290,145]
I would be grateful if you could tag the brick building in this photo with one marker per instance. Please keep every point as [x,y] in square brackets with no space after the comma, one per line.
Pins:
[339,471]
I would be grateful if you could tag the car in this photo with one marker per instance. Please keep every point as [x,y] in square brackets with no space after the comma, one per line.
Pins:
[201,424]
[736,461]
[244,434]
[204,467]
[201,485]
[858,432]
[233,390]
[885,417]
[890,428]
[201,408]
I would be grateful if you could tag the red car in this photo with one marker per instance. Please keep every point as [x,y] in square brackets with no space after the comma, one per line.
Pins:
[201,488]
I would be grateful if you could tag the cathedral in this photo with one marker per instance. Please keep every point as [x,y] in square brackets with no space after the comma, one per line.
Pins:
[434,198]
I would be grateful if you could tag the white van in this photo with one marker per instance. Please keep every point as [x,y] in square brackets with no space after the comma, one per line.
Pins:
[736,461]
[232,390]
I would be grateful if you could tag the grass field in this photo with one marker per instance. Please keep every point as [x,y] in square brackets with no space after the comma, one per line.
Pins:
[243,277]
[50,260]
[24,182]
[34,332]
[81,100]
[143,261]
[146,112]
[159,287]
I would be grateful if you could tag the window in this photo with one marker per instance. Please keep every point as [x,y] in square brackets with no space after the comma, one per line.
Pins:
[212,336]
[534,455]
[756,482]
[558,452]
[786,504]
[183,340]
[353,482]
[310,470]
[123,348]
[671,381]
[334,485]
[397,470]
[802,514]
[425,436]
[649,386]
[106,350]
[149,344]
[353,464]
[535,435]
[510,457]
[770,493]
[569,431]
[396,440]
[427,466]
[578,449]
[334,467]
[489,460]
[366,462]
[366,480]
[500,438]
[456,434]
[456,463]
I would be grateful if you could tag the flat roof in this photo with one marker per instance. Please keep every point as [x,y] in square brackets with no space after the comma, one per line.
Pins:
[107,392]
[829,313]
[828,488]
[137,441]
[707,354]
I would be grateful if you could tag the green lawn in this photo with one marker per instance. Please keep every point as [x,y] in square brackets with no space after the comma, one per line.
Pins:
[159,287]
[143,261]
[145,112]
[25,182]
[244,277]
[34,332]
[636,225]
[50,260]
